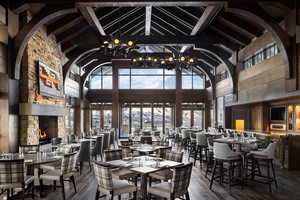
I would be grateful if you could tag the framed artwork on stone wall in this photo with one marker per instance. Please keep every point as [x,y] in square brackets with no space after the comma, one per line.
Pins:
[50,81]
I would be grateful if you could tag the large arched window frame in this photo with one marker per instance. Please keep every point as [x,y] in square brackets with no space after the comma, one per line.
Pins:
[102,78]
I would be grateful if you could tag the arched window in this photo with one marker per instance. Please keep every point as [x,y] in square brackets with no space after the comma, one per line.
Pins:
[101,78]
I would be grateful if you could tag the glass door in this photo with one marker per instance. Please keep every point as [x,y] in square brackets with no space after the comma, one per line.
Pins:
[158,118]
[147,118]
[135,119]
[125,122]
[96,119]
[186,118]
[107,119]
[198,119]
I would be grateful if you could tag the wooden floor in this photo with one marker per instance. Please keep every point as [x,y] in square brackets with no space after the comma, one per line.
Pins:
[289,188]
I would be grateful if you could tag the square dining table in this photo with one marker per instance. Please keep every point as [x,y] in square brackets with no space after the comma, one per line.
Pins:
[144,165]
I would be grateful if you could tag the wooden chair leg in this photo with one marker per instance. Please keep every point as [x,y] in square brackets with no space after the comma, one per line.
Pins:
[119,197]
[97,194]
[32,190]
[187,196]
[41,187]
[90,166]
[213,175]
[54,185]
[62,187]
[274,174]
[74,183]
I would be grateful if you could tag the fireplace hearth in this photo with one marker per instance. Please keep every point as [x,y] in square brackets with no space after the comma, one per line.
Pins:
[48,128]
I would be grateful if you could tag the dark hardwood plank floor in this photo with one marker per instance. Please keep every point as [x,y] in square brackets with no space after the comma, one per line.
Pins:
[289,188]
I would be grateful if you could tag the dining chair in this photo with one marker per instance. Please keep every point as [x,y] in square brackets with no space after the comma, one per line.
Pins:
[126,152]
[29,148]
[161,152]
[264,158]
[66,172]
[84,154]
[108,185]
[105,141]
[223,154]
[166,174]
[98,149]
[201,147]
[12,176]
[112,138]
[119,173]
[178,186]
[146,140]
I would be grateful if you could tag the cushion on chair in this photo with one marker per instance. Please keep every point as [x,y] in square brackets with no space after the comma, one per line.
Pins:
[27,181]
[122,173]
[55,175]
[161,190]
[121,187]
[165,174]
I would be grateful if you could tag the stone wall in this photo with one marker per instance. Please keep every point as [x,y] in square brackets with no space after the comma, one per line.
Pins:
[44,48]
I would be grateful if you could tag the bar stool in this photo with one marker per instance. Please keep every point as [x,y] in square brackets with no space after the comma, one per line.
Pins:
[257,159]
[223,154]
[210,156]
[201,146]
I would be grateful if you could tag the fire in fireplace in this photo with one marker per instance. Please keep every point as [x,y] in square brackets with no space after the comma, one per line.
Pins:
[48,128]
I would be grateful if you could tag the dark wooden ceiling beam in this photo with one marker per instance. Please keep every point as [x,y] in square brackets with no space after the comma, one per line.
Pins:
[73,32]
[230,34]
[62,25]
[138,3]
[206,18]
[148,20]
[90,16]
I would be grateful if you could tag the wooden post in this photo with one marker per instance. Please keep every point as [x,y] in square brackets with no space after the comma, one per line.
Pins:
[115,97]
[178,100]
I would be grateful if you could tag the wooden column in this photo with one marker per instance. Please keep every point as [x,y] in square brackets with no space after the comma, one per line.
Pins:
[115,97]
[77,117]
[207,114]
[178,100]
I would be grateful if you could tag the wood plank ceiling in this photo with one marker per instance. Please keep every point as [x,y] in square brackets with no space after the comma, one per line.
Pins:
[173,25]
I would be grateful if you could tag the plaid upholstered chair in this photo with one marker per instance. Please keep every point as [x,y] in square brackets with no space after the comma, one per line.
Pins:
[163,151]
[108,185]
[177,188]
[12,175]
[119,173]
[166,174]
[126,152]
[29,148]
[66,172]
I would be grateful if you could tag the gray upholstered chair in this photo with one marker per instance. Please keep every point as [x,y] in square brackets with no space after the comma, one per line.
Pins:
[98,149]
[119,173]
[84,154]
[12,175]
[111,139]
[178,187]
[108,185]
[106,141]
[166,174]
[66,172]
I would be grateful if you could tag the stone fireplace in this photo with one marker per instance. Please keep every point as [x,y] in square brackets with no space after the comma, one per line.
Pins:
[41,122]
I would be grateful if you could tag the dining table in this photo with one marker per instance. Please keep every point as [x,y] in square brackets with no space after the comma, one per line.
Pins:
[144,165]
[137,139]
[238,141]
[146,148]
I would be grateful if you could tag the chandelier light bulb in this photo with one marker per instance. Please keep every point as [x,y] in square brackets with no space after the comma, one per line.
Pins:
[130,43]
[191,60]
[134,60]
[149,58]
[155,59]
[105,42]
[116,41]
[162,62]
[182,58]
[170,59]
[140,58]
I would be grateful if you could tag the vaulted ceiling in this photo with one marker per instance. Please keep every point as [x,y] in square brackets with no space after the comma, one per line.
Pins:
[159,25]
